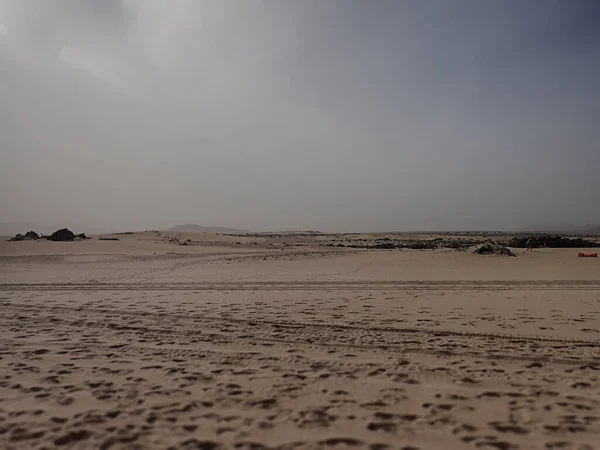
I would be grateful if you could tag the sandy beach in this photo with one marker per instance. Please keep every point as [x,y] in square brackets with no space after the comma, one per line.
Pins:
[240,342]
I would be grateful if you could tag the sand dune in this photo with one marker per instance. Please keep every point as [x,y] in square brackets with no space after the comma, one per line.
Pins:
[142,343]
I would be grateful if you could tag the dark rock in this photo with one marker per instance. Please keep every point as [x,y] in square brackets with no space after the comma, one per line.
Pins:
[485,249]
[493,248]
[550,241]
[383,246]
[64,234]
[460,244]
[422,245]
[29,236]
[505,251]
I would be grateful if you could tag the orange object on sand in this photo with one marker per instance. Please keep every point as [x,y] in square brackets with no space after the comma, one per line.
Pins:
[588,255]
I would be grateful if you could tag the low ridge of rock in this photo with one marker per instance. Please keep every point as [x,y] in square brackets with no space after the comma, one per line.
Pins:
[551,241]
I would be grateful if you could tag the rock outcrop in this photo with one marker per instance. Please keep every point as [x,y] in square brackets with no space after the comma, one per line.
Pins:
[29,236]
[493,248]
[550,241]
[62,235]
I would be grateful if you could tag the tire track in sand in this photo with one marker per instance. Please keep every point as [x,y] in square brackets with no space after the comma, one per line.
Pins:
[309,285]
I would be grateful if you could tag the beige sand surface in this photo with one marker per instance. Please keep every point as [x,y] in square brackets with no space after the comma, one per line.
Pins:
[142,343]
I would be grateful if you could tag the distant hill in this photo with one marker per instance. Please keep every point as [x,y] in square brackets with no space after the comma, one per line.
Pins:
[565,228]
[193,228]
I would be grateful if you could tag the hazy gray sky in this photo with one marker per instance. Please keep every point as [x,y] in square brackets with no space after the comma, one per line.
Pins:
[332,115]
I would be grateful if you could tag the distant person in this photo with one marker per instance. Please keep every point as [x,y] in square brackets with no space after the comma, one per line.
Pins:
[529,245]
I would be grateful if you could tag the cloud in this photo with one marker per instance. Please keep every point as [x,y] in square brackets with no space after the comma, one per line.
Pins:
[96,66]
[283,114]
